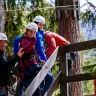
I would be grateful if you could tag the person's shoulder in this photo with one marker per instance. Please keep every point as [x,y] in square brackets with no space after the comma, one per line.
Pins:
[49,34]
[38,34]
[18,37]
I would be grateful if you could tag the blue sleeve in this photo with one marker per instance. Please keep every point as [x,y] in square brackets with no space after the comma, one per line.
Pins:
[16,44]
[40,47]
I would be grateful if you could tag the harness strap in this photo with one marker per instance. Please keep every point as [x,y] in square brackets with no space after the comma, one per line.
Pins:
[31,73]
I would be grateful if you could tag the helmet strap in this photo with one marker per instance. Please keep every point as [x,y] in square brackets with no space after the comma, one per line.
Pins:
[36,22]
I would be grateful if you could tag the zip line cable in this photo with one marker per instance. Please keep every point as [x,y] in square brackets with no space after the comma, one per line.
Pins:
[34,9]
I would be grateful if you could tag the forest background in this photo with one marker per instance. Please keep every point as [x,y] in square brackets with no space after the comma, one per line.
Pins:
[18,13]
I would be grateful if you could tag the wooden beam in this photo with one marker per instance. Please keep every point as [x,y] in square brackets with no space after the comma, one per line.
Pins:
[79,77]
[54,86]
[64,69]
[77,47]
[90,95]
[41,75]
[66,8]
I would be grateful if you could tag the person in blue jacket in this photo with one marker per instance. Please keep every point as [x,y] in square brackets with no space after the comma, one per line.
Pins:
[40,21]
[16,44]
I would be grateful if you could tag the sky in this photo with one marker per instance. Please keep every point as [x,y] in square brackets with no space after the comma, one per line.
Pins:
[82,2]
[88,34]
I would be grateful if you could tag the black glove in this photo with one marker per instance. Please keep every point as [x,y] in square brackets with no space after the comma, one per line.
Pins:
[73,55]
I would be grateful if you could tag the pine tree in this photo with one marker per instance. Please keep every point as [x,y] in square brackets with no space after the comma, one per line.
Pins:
[69,29]
[14,21]
[21,12]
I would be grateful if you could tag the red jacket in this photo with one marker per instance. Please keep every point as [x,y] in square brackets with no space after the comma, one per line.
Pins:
[28,45]
[95,82]
[95,87]
[53,40]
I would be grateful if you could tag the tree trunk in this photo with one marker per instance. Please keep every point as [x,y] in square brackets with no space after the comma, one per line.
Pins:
[1,16]
[68,25]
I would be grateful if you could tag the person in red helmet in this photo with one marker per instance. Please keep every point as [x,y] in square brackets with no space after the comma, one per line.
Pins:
[52,40]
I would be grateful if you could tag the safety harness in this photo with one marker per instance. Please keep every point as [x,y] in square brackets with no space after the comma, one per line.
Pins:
[22,63]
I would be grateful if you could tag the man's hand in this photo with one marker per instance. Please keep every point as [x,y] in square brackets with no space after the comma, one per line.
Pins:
[43,62]
[20,52]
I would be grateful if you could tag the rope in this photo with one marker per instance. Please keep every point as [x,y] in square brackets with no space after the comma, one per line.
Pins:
[34,9]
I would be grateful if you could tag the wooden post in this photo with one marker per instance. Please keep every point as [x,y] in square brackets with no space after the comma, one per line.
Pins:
[54,86]
[2,21]
[64,70]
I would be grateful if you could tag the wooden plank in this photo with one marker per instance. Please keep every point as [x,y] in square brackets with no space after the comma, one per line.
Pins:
[77,47]
[90,95]
[64,70]
[41,75]
[79,77]
[54,86]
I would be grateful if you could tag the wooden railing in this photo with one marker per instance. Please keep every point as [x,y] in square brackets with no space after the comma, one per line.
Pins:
[41,75]
[63,78]
[90,95]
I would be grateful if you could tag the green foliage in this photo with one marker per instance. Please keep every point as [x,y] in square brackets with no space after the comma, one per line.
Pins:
[17,19]
[14,21]
[55,69]
[89,62]
[88,87]
[88,66]
[89,15]
[56,93]
[41,8]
